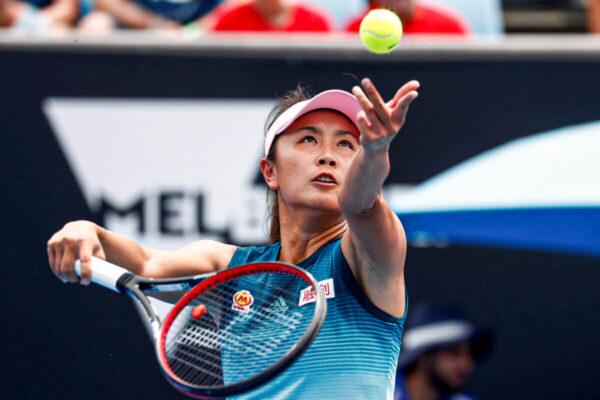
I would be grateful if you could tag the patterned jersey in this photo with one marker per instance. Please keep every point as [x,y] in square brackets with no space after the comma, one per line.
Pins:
[356,352]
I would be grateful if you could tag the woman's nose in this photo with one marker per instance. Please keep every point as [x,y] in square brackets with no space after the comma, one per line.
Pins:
[327,160]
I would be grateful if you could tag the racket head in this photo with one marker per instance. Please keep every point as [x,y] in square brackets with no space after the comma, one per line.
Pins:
[239,341]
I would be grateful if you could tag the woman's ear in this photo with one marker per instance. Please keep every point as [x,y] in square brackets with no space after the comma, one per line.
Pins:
[267,168]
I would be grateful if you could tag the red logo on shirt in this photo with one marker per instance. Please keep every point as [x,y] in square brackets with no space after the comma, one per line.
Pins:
[242,301]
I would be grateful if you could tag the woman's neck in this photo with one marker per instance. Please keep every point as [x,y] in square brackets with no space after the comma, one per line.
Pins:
[304,232]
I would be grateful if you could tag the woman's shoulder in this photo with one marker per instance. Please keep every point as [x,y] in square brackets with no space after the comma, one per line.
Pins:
[259,249]
[248,254]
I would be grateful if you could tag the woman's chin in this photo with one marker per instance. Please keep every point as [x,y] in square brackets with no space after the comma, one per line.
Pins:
[328,205]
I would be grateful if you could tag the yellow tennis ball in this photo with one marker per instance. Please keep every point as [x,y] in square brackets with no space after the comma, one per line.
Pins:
[380,31]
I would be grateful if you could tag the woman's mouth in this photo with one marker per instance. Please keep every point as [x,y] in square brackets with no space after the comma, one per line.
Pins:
[325,179]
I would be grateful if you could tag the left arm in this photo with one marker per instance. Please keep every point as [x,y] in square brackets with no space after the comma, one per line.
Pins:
[375,244]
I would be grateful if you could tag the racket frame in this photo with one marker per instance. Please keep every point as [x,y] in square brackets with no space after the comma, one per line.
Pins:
[284,362]
[120,280]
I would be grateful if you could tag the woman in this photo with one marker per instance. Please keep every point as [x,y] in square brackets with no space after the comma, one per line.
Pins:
[326,159]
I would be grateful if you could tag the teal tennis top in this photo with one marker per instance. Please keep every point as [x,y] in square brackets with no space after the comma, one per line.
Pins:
[355,354]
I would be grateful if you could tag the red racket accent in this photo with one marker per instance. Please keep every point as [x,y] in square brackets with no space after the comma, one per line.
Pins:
[198,311]
[218,279]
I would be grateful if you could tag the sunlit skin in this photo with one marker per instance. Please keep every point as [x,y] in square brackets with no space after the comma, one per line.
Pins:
[321,141]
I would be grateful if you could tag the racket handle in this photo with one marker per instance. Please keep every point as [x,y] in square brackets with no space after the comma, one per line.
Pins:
[103,273]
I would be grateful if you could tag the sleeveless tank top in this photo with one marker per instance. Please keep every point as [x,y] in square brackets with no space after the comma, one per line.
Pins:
[354,355]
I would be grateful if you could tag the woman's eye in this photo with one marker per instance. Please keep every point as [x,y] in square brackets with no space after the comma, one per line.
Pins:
[308,139]
[346,143]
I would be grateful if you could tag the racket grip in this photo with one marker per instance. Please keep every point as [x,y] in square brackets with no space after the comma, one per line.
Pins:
[103,273]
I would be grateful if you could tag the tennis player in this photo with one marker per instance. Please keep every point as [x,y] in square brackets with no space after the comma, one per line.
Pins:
[325,160]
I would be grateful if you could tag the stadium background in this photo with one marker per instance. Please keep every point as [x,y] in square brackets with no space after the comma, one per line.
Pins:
[70,342]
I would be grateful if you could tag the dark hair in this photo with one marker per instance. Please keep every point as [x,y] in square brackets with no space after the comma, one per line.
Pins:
[300,93]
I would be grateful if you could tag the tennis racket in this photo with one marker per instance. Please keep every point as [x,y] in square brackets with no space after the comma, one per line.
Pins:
[229,332]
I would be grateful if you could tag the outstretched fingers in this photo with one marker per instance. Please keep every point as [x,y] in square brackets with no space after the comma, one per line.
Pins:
[380,107]
[384,119]
[405,89]
[401,109]
[373,120]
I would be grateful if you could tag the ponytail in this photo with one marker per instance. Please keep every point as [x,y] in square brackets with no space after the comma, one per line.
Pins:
[301,93]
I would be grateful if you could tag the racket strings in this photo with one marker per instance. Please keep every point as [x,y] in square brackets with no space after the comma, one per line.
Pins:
[197,348]
[245,349]
[205,352]
[208,372]
[242,348]
[185,323]
[202,371]
[266,316]
[219,296]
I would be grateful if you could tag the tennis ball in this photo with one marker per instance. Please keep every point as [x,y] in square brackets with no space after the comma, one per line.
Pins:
[380,31]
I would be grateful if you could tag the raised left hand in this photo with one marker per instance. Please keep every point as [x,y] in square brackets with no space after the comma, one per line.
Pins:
[379,122]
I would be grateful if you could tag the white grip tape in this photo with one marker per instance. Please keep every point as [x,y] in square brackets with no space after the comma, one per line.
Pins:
[103,273]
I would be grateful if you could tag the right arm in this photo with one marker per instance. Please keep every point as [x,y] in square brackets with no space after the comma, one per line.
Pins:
[82,240]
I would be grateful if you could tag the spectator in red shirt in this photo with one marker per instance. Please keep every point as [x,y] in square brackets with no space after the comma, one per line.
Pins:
[271,15]
[418,18]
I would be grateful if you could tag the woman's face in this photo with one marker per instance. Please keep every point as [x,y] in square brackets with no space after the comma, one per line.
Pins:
[312,159]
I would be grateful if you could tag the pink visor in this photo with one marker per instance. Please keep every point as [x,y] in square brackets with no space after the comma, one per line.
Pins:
[337,100]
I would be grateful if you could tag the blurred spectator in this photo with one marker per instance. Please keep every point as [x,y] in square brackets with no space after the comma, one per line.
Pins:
[418,18]
[593,16]
[145,14]
[272,15]
[38,16]
[339,10]
[484,17]
[440,350]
